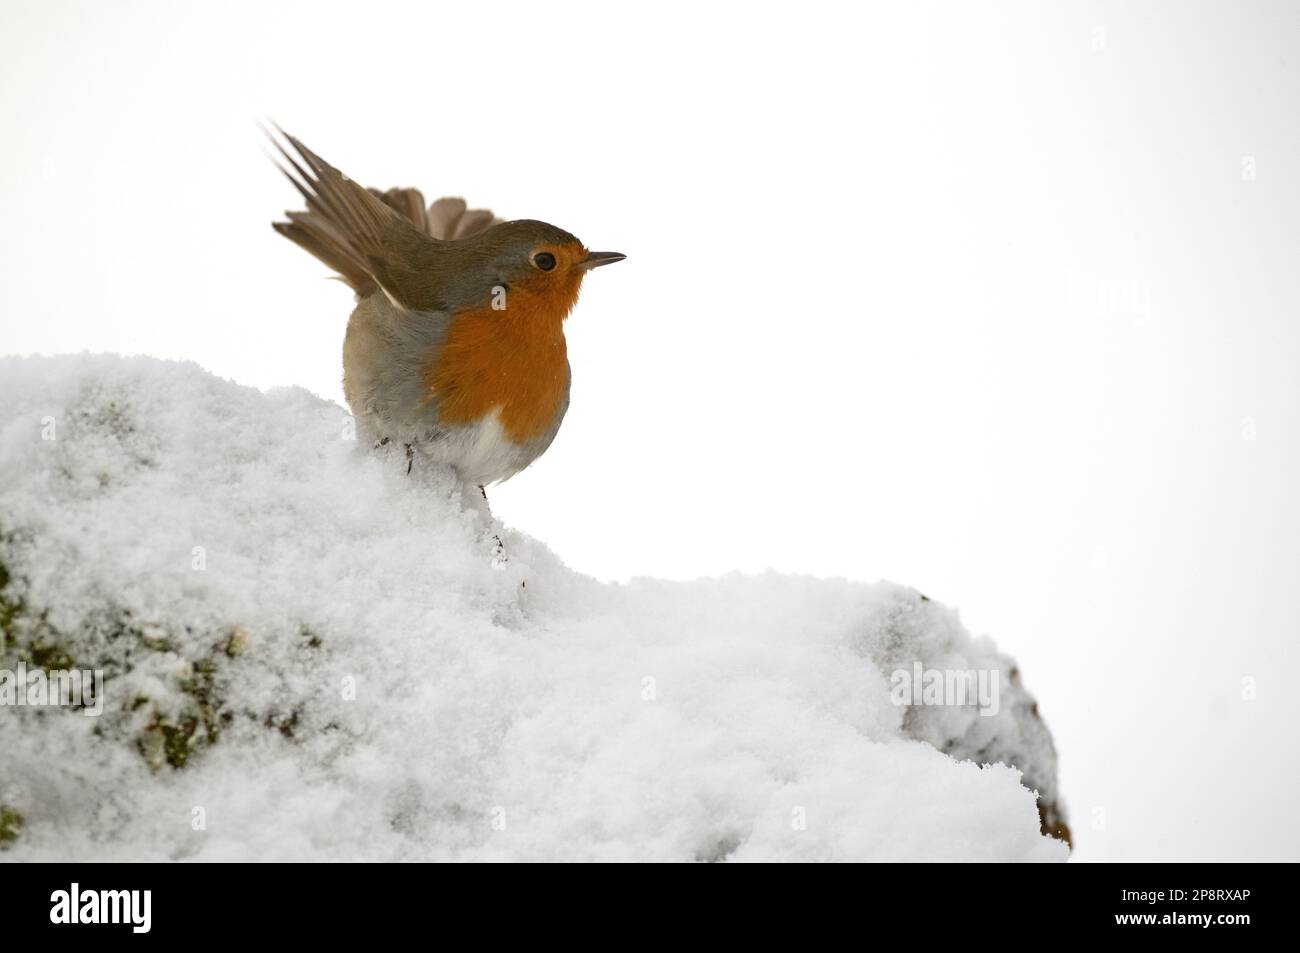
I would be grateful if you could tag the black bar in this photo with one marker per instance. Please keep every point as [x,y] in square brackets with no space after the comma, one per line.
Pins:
[332,902]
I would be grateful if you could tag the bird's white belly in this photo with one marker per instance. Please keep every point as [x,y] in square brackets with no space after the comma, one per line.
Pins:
[480,452]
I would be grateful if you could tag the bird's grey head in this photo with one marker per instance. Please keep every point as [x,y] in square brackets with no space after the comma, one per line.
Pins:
[518,254]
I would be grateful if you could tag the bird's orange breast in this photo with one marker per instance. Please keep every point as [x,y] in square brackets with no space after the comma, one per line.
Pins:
[512,361]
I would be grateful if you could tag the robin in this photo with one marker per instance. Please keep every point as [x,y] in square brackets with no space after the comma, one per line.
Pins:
[456,345]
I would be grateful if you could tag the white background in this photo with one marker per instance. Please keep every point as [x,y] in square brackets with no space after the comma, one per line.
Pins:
[988,300]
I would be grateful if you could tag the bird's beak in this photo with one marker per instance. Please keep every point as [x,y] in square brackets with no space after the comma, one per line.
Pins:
[595,259]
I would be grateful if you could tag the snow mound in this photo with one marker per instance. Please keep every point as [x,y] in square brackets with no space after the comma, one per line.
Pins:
[309,654]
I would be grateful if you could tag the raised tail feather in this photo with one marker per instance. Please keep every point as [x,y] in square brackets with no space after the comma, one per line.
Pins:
[346,226]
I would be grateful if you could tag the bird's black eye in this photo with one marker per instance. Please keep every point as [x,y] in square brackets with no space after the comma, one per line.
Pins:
[544,260]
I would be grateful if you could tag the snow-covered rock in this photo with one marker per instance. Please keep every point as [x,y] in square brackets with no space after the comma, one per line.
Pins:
[309,654]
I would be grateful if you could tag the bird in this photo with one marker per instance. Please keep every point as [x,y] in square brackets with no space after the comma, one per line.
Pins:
[455,348]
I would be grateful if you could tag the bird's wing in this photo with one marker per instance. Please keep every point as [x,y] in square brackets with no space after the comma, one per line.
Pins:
[447,219]
[410,203]
[373,240]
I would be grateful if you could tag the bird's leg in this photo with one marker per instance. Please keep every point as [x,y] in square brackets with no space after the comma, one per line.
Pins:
[499,551]
[410,457]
